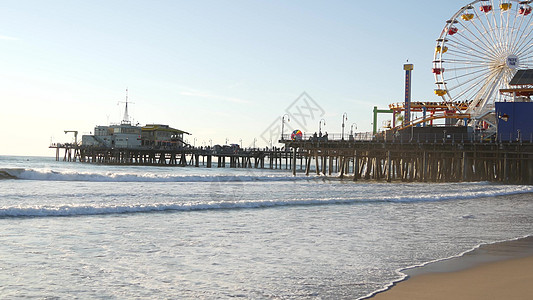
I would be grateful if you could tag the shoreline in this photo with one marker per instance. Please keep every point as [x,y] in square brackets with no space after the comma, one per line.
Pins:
[493,270]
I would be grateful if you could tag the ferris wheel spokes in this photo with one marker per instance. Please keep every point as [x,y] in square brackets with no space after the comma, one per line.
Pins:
[480,34]
[469,84]
[477,49]
[464,68]
[487,33]
[527,24]
[478,74]
[467,55]
[527,42]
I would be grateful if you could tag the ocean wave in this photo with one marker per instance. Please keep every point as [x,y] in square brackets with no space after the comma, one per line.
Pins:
[107,208]
[464,194]
[12,173]
[81,210]
[50,175]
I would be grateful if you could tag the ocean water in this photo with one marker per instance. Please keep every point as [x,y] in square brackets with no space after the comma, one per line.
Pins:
[73,230]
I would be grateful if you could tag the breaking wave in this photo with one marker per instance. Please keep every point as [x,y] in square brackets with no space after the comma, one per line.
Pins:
[110,208]
[50,175]
[13,173]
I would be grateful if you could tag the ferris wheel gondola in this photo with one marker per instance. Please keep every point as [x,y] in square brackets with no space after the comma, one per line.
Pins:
[478,52]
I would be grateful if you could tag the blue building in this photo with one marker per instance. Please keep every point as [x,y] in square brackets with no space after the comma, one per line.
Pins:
[515,117]
[515,121]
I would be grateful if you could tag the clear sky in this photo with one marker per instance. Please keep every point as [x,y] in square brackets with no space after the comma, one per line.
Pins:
[217,69]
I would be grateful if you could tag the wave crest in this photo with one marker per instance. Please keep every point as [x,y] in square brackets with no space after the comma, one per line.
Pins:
[50,175]
[105,209]
[12,173]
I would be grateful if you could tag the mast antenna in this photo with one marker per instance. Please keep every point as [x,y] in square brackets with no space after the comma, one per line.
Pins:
[126,118]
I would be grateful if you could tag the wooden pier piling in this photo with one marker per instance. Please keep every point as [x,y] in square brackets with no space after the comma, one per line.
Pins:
[446,161]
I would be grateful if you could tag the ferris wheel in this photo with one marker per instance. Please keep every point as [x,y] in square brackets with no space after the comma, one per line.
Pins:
[478,52]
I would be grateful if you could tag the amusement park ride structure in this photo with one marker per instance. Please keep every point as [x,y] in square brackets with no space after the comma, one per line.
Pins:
[430,111]
[479,51]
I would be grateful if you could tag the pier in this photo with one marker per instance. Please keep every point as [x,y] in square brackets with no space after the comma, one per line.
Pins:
[438,159]
[420,159]
[267,158]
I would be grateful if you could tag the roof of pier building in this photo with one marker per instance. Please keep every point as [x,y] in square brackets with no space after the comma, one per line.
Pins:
[522,77]
[521,84]
[161,127]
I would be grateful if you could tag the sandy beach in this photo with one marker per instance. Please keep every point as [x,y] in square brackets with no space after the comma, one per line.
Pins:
[497,271]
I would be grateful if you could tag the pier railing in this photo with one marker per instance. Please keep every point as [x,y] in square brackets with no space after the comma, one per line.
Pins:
[360,136]
[478,137]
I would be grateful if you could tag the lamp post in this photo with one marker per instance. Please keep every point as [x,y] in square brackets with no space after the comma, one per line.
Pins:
[194,143]
[320,126]
[344,118]
[211,143]
[283,123]
[351,130]
[255,139]
[240,142]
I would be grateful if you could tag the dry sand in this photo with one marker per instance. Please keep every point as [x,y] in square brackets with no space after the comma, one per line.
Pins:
[495,271]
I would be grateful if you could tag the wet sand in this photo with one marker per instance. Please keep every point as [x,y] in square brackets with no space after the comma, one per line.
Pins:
[496,271]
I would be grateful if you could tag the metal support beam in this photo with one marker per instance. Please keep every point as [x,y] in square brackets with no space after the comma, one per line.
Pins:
[376,112]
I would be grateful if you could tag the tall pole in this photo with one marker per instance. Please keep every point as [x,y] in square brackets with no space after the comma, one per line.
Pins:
[126,116]
[283,123]
[351,128]
[344,118]
[320,126]
[407,107]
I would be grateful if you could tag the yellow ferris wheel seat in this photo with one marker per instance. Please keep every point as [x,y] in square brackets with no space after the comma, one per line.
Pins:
[441,49]
[506,6]
[467,17]
[440,92]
